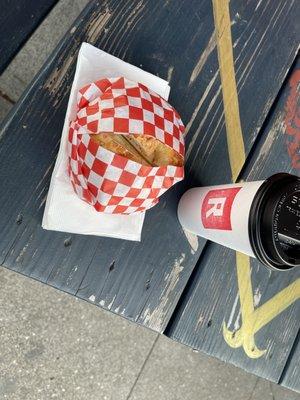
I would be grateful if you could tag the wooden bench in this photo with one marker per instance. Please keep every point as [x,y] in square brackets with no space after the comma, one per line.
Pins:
[215,313]
[171,283]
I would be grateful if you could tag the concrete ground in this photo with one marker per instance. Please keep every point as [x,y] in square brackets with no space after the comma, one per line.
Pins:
[53,345]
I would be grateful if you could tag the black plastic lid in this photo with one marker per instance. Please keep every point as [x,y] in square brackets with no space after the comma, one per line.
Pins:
[274,222]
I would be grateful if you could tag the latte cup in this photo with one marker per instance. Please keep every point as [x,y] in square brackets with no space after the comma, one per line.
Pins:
[260,219]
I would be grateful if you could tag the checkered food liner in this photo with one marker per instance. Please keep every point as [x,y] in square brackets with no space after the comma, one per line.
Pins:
[110,182]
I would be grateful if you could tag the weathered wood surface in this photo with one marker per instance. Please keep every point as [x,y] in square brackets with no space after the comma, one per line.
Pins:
[18,19]
[213,297]
[141,281]
[291,375]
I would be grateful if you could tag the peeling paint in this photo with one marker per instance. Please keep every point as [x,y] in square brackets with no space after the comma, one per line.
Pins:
[111,303]
[22,252]
[42,201]
[97,25]
[256,297]
[199,321]
[193,240]
[205,153]
[102,303]
[34,253]
[92,298]
[233,310]
[273,134]
[170,73]
[70,277]
[197,109]
[54,82]
[44,176]
[258,4]
[237,322]
[211,45]
[155,319]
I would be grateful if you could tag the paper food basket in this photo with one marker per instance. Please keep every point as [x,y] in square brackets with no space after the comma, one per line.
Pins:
[65,210]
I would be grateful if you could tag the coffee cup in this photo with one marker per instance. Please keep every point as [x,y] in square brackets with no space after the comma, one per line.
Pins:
[260,219]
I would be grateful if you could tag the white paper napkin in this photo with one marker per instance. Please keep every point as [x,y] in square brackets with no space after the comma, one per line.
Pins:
[64,211]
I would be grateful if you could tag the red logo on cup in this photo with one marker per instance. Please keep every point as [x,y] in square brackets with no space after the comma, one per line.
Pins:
[216,208]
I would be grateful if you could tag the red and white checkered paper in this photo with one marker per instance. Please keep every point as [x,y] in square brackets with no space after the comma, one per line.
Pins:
[109,182]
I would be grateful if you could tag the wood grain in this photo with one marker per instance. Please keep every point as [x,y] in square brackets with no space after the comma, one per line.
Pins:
[212,298]
[291,375]
[141,281]
[18,19]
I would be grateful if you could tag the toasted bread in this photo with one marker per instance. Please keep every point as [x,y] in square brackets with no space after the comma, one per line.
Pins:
[154,151]
[117,144]
[143,149]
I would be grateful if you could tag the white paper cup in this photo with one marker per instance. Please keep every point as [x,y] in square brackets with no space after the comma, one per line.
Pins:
[260,219]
